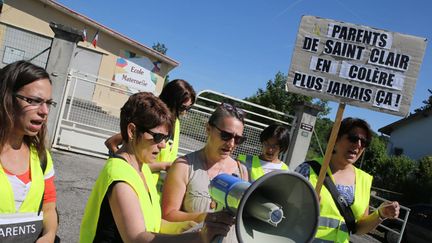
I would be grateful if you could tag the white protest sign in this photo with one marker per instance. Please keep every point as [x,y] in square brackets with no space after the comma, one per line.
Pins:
[356,65]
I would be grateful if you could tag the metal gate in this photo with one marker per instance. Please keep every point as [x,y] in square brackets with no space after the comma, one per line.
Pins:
[193,134]
[85,124]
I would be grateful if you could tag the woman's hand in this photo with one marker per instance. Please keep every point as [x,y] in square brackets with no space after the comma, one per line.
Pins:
[389,210]
[47,238]
[216,224]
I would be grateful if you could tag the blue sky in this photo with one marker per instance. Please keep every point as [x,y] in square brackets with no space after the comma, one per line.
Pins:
[235,47]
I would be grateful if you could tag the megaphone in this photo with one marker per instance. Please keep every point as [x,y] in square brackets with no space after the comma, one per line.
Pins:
[280,206]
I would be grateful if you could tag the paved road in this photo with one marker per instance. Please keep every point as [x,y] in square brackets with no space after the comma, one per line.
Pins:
[75,176]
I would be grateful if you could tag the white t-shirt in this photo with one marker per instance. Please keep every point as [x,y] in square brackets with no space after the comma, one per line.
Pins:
[269,166]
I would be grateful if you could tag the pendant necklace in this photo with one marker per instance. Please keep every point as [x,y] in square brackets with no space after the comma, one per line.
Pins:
[213,203]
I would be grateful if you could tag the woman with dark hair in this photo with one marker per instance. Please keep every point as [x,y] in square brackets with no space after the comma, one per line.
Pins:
[124,205]
[186,190]
[275,141]
[352,185]
[179,96]
[27,190]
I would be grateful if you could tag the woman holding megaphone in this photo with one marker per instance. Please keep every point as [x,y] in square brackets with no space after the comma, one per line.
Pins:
[186,190]
[124,205]
[350,183]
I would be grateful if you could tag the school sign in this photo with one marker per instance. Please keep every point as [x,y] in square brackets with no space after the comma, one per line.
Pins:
[355,64]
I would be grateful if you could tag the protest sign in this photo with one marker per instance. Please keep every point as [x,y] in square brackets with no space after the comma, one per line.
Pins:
[356,65]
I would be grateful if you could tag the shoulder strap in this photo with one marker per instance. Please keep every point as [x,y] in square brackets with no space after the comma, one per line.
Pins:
[344,210]
[240,169]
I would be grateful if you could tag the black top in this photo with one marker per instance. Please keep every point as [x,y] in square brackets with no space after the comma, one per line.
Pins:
[106,228]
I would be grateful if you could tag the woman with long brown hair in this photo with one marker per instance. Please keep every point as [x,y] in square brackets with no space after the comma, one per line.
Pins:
[27,190]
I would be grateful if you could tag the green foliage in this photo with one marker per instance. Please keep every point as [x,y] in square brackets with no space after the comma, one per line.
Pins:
[276,97]
[394,173]
[375,155]
[322,128]
[427,103]
[159,47]
[424,171]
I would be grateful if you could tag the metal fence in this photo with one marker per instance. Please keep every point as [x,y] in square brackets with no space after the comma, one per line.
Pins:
[193,134]
[85,123]
[403,217]
[18,44]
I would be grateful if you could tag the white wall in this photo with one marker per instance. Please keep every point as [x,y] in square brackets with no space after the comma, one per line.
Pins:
[414,138]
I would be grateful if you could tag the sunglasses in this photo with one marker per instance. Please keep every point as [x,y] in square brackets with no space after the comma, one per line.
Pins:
[36,101]
[158,137]
[353,138]
[185,108]
[239,113]
[227,136]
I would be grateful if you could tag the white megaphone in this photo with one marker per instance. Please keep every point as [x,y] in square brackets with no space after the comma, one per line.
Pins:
[280,206]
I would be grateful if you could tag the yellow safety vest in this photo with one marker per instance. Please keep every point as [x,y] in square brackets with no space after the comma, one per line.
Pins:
[25,222]
[117,169]
[331,225]
[254,163]
[168,154]
[35,194]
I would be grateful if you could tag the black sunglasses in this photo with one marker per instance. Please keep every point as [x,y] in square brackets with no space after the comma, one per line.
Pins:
[158,137]
[239,113]
[353,138]
[226,136]
[185,108]
[36,101]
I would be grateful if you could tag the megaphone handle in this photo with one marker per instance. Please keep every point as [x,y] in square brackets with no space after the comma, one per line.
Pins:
[217,239]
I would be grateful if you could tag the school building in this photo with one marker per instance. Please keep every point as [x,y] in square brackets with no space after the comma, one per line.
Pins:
[25,33]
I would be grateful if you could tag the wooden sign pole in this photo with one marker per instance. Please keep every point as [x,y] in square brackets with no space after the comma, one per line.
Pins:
[330,146]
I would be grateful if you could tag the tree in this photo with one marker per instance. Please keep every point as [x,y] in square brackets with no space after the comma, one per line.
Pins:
[159,47]
[395,169]
[428,103]
[318,143]
[276,97]
[375,155]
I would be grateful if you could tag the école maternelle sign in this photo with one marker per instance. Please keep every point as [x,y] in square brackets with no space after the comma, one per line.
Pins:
[135,77]
[355,64]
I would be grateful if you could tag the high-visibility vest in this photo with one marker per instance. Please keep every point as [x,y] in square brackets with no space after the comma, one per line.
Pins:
[253,162]
[169,153]
[117,169]
[27,217]
[35,194]
[331,225]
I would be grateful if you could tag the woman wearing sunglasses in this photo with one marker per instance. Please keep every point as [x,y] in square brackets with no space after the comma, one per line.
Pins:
[124,204]
[186,190]
[352,184]
[275,141]
[179,96]
[27,190]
